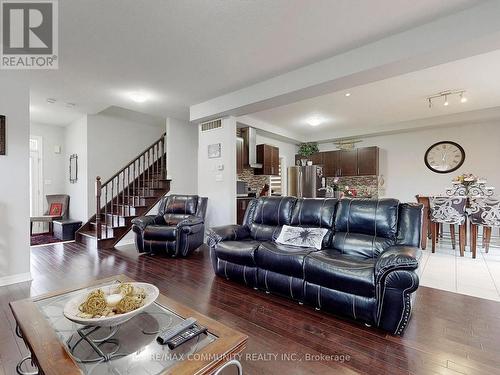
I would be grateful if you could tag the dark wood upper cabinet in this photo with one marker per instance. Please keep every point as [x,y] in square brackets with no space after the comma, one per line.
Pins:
[268,156]
[317,158]
[348,160]
[368,161]
[331,165]
[240,157]
[359,162]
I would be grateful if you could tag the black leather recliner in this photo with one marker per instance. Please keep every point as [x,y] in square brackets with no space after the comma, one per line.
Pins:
[176,230]
[366,269]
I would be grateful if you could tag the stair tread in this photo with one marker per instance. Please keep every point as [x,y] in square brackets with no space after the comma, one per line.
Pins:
[91,233]
[130,205]
[108,226]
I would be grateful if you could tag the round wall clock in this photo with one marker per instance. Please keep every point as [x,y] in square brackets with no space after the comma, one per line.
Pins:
[444,157]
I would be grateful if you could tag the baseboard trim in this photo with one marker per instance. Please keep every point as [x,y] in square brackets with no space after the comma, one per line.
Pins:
[14,279]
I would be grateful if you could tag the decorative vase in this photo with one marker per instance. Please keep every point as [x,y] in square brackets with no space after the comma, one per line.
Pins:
[309,162]
[303,162]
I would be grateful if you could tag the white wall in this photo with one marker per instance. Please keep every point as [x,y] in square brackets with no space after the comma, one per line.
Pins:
[76,143]
[113,141]
[218,185]
[14,187]
[402,158]
[182,156]
[53,164]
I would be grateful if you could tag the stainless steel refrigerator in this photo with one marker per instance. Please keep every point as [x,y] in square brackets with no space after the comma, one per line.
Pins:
[306,182]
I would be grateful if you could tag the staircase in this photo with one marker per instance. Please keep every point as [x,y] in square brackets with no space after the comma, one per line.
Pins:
[131,192]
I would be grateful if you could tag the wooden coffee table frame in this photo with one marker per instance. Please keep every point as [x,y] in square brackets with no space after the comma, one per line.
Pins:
[52,357]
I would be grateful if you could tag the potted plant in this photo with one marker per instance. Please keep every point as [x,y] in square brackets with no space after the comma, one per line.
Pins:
[306,150]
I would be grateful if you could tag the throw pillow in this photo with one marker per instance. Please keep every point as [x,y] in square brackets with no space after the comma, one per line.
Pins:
[302,237]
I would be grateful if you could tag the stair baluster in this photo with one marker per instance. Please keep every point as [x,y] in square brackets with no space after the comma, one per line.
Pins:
[98,206]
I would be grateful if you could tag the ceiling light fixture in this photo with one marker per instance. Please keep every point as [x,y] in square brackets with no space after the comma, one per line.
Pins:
[51,100]
[347,94]
[314,121]
[446,94]
[138,97]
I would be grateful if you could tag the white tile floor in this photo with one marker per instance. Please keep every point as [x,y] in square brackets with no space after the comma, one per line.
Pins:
[446,270]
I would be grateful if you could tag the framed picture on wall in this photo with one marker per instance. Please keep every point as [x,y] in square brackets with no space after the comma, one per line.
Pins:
[214,151]
[3,139]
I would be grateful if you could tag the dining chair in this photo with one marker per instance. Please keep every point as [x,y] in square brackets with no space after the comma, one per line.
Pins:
[448,210]
[483,212]
[426,217]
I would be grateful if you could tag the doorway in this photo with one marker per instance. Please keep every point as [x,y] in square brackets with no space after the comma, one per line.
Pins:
[36,181]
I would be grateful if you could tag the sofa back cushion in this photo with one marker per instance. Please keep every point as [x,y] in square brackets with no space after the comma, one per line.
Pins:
[181,204]
[316,213]
[269,214]
[365,227]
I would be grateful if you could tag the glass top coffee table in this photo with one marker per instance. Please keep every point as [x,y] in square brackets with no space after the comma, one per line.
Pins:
[60,346]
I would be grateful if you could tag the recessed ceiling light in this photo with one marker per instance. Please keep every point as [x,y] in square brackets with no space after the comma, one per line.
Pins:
[314,121]
[348,94]
[70,105]
[51,100]
[138,97]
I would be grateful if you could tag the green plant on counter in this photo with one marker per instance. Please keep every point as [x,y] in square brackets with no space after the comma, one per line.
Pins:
[307,149]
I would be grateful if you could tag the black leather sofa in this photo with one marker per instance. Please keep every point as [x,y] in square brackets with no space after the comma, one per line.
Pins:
[177,230]
[366,269]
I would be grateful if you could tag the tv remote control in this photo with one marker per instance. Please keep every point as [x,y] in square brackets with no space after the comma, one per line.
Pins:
[185,336]
[174,331]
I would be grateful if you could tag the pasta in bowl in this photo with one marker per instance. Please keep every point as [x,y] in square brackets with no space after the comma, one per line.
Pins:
[110,305]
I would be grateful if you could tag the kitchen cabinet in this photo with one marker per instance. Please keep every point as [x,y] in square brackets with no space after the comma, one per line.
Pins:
[363,161]
[240,155]
[241,207]
[348,162]
[317,158]
[331,165]
[269,157]
[368,161]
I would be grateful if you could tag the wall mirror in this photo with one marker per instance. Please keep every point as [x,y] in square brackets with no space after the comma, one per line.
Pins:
[73,168]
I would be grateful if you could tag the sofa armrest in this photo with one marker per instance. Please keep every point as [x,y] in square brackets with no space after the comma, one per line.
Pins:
[191,225]
[227,233]
[397,258]
[143,221]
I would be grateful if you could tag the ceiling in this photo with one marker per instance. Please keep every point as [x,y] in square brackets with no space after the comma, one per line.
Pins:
[401,99]
[183,52]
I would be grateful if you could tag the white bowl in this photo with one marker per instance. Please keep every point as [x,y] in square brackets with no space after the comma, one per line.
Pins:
[71,308]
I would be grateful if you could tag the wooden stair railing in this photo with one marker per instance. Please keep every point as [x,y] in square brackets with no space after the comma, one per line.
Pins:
[130,192]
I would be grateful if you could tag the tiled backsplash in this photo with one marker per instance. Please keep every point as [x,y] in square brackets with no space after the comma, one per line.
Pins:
[255,183]
[366,186]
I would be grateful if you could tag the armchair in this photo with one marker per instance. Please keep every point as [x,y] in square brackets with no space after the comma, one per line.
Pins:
[177,230]
[49,218]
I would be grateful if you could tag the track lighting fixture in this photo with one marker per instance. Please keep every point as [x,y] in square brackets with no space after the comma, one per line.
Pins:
[445,95]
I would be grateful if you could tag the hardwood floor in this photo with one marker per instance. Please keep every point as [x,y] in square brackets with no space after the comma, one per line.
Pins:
[448,334]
